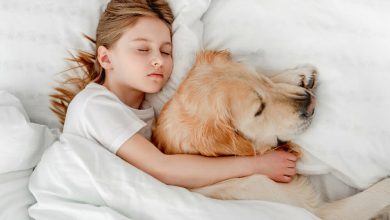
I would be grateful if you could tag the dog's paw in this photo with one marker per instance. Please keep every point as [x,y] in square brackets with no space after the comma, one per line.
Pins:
[305,76]
[308,76]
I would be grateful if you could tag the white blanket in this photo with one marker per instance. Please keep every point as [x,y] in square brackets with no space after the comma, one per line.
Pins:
[21,146]
[78,179]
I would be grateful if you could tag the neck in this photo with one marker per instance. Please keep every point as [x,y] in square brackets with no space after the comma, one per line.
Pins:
[130,96]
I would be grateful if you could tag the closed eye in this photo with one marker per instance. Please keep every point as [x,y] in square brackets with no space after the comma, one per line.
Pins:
[260,110]
[261,107]
[166,53]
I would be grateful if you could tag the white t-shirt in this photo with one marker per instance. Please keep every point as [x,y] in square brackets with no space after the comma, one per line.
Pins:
[99,115]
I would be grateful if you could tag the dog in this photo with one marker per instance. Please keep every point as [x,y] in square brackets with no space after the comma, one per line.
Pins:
[224,108]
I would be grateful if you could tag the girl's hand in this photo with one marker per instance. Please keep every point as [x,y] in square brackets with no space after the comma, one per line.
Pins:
[277,165]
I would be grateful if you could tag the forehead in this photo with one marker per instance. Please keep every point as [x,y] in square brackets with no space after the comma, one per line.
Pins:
[150,29]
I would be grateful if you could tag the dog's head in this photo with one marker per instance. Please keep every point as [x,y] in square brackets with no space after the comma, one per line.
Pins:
[223,108]
[268,113]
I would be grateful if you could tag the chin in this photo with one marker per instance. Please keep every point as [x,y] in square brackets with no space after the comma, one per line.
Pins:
[152,89]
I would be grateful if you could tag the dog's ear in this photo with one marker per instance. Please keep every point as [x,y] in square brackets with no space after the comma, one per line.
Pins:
[217,136]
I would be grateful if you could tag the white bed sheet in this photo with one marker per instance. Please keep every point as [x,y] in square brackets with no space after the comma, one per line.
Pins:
[79,179]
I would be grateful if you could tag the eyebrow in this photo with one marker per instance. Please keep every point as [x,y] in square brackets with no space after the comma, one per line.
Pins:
[147,40]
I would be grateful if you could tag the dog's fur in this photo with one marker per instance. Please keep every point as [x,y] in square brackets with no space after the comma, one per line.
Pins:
[224,108]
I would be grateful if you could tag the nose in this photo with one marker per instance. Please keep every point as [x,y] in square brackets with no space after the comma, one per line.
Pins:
[156,64]
[307,105]
[157,61]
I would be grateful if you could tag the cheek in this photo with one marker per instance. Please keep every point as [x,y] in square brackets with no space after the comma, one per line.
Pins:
[169,65]
[117,60]
[127,62]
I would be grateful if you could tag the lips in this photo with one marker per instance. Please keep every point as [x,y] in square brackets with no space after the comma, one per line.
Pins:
[156,75]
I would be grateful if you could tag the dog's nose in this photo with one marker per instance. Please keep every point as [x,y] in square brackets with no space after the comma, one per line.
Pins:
[308,105]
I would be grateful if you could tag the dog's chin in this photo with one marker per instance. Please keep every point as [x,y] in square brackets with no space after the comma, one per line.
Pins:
[305,123]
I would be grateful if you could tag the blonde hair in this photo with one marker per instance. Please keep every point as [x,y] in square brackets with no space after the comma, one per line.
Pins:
[119,15]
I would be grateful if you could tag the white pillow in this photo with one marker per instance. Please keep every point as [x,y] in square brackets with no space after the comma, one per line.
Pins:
[35,37]
[349,43]
[21,146]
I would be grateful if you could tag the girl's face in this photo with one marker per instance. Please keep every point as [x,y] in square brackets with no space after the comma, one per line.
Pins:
[142,58]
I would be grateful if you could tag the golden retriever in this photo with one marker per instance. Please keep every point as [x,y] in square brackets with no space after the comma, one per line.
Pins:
[224,108]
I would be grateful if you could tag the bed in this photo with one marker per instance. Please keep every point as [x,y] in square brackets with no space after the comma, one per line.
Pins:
[345,149]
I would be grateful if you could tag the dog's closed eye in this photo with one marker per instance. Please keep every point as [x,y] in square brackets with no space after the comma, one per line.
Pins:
[261,107]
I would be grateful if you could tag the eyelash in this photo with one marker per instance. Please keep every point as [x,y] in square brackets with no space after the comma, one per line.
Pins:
[146,50]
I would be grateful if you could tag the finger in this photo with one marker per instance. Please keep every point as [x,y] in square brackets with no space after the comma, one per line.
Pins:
[292,157]
[290,164]
[289,156]
[287,179]
[278,178]
[282,179]
[291,172]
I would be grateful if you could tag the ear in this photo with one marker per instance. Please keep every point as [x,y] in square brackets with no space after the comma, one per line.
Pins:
[223,140]
[103,58]
[218,136]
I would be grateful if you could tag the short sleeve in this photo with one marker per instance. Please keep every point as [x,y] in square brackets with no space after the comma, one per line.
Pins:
[110,122]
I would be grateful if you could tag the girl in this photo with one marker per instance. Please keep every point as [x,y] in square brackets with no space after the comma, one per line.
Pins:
[133,57]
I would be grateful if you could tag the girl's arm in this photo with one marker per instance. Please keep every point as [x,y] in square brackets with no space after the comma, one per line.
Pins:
[192,171]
